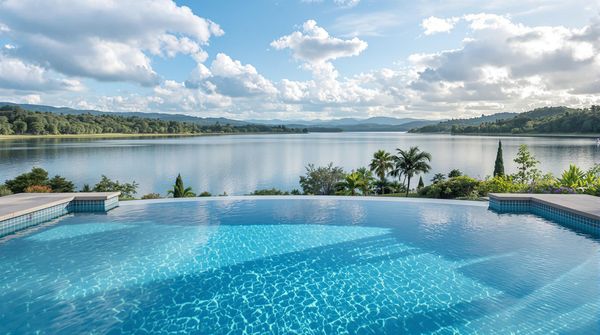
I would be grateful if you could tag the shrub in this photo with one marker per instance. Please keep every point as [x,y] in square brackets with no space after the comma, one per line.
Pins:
[127,190]
[38,189]
[60,184]
[205,194]
[37,176]
[501,184]
[459,187]
[4,191]
[272,191]
[151,196]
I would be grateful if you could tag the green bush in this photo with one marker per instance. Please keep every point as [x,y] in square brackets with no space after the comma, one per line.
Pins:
[458,187]
[151,196]
[272,191]
[205,194]
[4,191]
[501,184]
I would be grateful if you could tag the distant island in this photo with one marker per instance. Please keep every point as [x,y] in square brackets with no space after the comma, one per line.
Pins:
[542,121]
[14,120]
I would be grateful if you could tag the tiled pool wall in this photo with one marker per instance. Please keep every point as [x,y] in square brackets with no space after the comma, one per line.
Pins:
[21,222]
[558,215]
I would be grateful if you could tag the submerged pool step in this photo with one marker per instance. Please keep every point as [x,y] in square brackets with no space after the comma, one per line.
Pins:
[21,211]
[580,211]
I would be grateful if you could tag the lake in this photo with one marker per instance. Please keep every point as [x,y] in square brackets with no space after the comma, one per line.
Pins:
[240,164]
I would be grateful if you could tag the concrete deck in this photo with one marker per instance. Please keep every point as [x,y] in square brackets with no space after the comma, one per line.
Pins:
[580,204]
[24,203]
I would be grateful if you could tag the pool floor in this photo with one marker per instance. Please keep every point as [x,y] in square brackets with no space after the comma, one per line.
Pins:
[305,266]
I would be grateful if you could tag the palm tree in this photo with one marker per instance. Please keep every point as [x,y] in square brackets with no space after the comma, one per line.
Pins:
[179,191]
[351,182]
[411,162]
[381,163]
[367,180]
[438,177]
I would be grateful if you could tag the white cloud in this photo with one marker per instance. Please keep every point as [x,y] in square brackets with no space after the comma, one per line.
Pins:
[342,3]
[18,75]
[433,25]
[314,45]
[105,40]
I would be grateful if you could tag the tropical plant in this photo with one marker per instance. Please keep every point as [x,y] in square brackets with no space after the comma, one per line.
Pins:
[499,164]
[322,180]
[367,180]
[128,190]
[527,171]
[381,164]
[573,177]
[438,177]
[351,183]
[411,162]
[180,191]
[455,173]
[38,189]
[86,188]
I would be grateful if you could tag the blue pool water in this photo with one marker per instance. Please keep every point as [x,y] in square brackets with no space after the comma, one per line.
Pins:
[284,266]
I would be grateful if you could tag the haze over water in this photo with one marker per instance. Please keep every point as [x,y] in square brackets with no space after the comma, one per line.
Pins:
[242,164]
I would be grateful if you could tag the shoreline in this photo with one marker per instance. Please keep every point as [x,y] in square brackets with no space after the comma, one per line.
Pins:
[562,135]
[123,135]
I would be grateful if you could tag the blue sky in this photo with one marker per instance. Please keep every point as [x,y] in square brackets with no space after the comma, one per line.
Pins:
[301,59]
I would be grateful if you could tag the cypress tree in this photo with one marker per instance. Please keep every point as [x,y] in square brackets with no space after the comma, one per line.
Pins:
[499,165]
[421,183]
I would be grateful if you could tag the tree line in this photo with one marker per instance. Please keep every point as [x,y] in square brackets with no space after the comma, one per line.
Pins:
[15,120]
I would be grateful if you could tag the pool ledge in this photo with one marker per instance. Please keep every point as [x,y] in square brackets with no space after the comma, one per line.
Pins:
[579,210]
[20,211]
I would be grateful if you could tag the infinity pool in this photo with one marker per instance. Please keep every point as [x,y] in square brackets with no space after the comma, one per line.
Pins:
[300,265]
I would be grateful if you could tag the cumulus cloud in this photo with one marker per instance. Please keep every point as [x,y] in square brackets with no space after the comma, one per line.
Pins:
[512,66]
[342,3]
[18,75]
[105,40]
[314,44]
[433,25]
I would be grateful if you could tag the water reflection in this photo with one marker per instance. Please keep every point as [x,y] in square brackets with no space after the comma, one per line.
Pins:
[241,164]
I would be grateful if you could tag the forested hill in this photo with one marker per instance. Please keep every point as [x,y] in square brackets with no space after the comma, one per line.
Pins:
[15,120]
[446,126]
[547,120]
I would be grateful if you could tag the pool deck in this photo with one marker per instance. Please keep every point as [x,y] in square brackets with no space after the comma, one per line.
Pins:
[26,203]
[581,204]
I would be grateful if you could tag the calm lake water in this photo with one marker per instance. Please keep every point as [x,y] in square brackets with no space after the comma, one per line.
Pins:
[241,164]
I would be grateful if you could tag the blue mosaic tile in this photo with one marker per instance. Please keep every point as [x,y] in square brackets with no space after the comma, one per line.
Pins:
[558,215]
[18,223]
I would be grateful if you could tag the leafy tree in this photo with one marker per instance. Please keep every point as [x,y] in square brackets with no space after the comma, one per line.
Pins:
[455,173]
[499,164]
[128,190]
[37,176]
[527,171]
[180,191]
[205,194]
[322,180]
[272,191]
[410,162]
[438,177]
[61,185]
[20,127]
[421,184]
[151,196]
[381,164]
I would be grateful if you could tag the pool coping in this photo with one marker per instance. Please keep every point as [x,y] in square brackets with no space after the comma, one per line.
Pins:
[579,204]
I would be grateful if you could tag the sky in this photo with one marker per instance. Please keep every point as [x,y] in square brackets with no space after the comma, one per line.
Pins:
[301,59]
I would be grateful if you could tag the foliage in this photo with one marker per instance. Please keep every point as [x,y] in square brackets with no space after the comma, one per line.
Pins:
[455,173]
[151,196]
[86,188]
[421,184]
[272,191]
[527,171]
[367,180]
[381,164]
[438,177]
[128,190]
[37,176]
[322,180]
[459,187]
[205,194]
[501,184]
[499,163]
[60,184]
[351,184]
[38,189]
[16,120]
[4,191]
[410,162]
[180,191]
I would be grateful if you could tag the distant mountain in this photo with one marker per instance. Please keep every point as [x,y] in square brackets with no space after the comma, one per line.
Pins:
[446,126]
[379,123]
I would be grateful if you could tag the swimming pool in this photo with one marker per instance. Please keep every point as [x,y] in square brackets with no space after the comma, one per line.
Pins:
[300,265]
